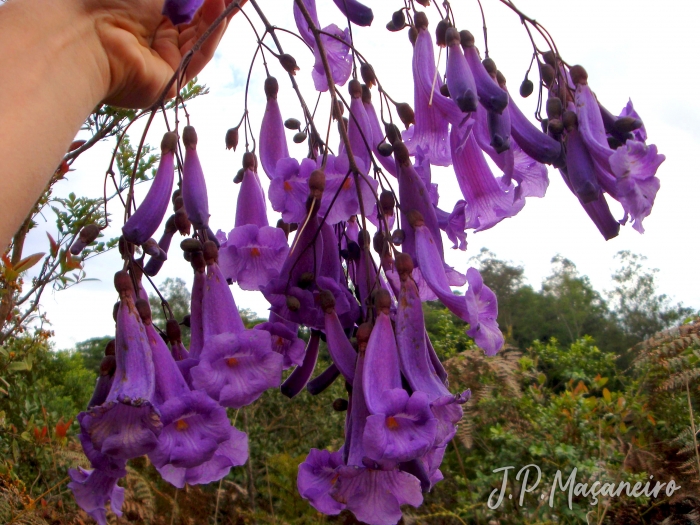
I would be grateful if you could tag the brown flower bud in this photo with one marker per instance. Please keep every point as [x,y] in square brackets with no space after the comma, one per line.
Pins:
[293,303]
[176,194]
[415,219]
[299,137]
[466,39]
[327,301]
[578,75]
[150,247]
[547,74]
[385,149]
[340,405]
[250,161]
[406,114]
[305,281]
[387,201]
[445,91]
[368,75]
[549,58]
[317,184]
[110,347]
[569,119]
[197,261]
[398,18]
[421,20]
[292,123]
[232,138]
[289,64]
[363,333]
[625,125]
[404,265]
[450,37]
[393,133]
[272,86]
[115,311]
[210,252]
[412,35]
[144,310]
[382,301]
[555,126]
[189,137]
[355,88]
[554,107]
[398,237]
[366,94]
[182,221]
[169,142]
[338,110]
[380,242]
[108,365]
[490,66]
[424,3]
[172,329]
[191,245]
[239,176]
[122,282]
[441,32]
[500,79]
[526,88]
[401,153]
[89,233]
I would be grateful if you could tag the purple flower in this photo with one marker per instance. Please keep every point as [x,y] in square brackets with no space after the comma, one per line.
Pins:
[92,490]
[194,187]
[250,205]
[104,381]
[338,55]
[639,134]
[181,11]
[359,135]
[290,188]
[635,165]
[236,368]
[454,224]
[375,496]
[359,14]
[273,143]
[219,312]
[491,96]
[342,184]
[285,342]
[487,202]
[316,480]
[377,135]
[145,220]
[460,80]
[580,170]
[303,26]
[540,147]
[127,425]
[252,256]
[154,264]
[231,453]
[108,465]
[339,347]
[483,312]
[430,130]
[196,329]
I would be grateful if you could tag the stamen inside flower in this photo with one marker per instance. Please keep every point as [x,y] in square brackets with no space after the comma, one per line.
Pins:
[255,252]
[279,341]
[391,423]
[347,184]
[231,361]
[287,186]
[181,425]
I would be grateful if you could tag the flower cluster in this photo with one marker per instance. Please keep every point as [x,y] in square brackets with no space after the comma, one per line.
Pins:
[367,251]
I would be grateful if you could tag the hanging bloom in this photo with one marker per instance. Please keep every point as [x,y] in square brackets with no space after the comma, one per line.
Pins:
[273,143]
[454,224]
[359,14]
[491,96]
[250,204]
[127,424]
[290,187]
[303,27]
[300,376]
[219,312]
[359,133]
[460,80]
[339,58]
[377,134]
[343,184]
[104,381]
[429,133]
[487,202]
[194,187]
[537,145]
[285,342]
[154,264]
[145,220]
[93,489]
[236,368]
[341,350]
[316,480]
[640,133]
[181,11]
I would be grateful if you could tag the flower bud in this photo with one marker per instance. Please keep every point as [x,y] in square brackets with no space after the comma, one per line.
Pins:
[239,176]
[122,282]
[424,3]
[578,75]
[197,261]
[182,222]
[412,35]
[327,301]
[178,202]
[554,107]
[569,119]
[549,58]
[501,80]
[169,142]
[272,86]
[355,88]
[387,201]
[186,321]
[385,149]
[401,153]
[210,252]
[445,91]
[406,114]
[392,132]
[398,237]
[466,39]
[368,75]
[292,123]
[293,303]
[404,265]
[317,184]
[110,348]
[108,365]
[305,281]
[366,94]
[526,88]
[299,138]
[441,33]
[115,311]
[340,405]
[382,301]
[144,310]
[490,66]
[189,137]
[547,73]
[421,20]
[150,247]
[289,64]
[191,245]
[398,19]
[172,329]
[555,126]
[625,125]
[232,138]
[250,161]
[363,333]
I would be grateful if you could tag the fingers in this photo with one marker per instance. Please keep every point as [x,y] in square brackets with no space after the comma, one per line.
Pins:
[207,15]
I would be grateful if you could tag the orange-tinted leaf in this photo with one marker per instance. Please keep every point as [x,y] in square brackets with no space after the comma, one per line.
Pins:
[53,244]
[26,263]
[62,428]
[651,419]
[607,395]
[6,261]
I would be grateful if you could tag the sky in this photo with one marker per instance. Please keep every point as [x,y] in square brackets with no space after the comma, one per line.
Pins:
[635,49]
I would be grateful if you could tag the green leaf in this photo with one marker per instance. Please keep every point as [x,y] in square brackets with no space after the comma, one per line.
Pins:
[607,395]
[19,365]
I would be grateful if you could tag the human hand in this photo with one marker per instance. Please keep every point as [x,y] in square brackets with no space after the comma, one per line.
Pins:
[142,48]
